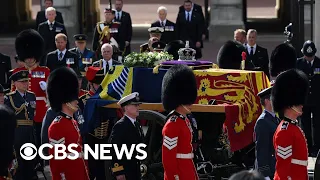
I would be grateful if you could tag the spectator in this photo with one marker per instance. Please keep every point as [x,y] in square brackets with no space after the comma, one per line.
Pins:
[49,29]
[189,27]
[240,36]
[41,16]
[168,34]
[247,175]
[257,56]
[125,30]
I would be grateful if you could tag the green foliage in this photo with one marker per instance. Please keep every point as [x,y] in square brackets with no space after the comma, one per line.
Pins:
[146,59]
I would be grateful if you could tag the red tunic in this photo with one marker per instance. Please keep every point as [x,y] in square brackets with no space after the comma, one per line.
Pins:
[291,151]
[37,75]
[177,152]
[64,130]
[82,92]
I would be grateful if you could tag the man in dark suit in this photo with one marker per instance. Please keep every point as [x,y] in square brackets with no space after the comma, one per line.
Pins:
[189,27]
[61,57]
[125,29]
[41,16]
[196,8]
[257,56]
[264,130]
[49,29]
[310,119]
[5,67]
[127,131]
[107,62]
[168,34]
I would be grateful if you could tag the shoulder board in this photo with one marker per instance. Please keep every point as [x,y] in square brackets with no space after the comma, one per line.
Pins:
[73,49]
[31,92]
[116,23]
[285,125]
[57,119]
[173,118]
[44,67]
[101,22]
[145,44]
[11,93]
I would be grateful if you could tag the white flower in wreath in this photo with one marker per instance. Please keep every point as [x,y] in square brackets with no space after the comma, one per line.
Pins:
[150,53]
[156,63]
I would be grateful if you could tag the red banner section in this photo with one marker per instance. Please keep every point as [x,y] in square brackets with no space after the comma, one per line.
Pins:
[238,90]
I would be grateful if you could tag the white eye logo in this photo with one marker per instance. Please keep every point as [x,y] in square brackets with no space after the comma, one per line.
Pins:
[28,151]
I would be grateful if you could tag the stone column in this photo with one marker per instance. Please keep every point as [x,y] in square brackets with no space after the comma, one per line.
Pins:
[316,31]
[69,11]
[226,16]
[92,14]
[25,10]
[9,16]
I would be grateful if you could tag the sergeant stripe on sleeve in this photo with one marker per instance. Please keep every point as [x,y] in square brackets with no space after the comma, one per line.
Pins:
[60,141]
[284,152]
[170,143]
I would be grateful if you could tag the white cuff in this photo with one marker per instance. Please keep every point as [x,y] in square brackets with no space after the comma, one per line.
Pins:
[267,178]
[43,85]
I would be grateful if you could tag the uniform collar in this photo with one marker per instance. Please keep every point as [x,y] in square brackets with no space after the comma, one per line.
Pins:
[131,119]
[175,113]
[272,113]
[65,115]
[51,22]
[295,122]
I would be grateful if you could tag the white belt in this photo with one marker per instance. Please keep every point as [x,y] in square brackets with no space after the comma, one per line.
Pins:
[299,162]
[41,99]
[185,156]
[72,154]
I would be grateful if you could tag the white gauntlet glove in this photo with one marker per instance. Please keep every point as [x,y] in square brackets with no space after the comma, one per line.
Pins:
[43,85]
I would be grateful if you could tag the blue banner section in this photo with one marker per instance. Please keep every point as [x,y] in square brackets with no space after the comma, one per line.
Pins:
[148,84]
[91,110]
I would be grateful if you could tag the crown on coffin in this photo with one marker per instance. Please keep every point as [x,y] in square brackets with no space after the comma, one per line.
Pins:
[187,53]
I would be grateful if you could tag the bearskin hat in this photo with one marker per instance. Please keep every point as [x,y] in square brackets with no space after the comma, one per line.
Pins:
[29,44]
[290,89]
[283,57]
[179,87]
[173,48]
[229,55]
[62,87]
[8,124]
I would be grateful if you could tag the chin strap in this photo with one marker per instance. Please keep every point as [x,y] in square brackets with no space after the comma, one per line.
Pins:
[187,109]
[296,110]
[72,107]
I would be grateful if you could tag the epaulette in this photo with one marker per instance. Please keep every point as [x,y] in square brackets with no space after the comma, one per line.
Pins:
[31,92]
[57,119]
[116,22]
[285,125]
[11,93]
[101,22]
[173,118]
[72,49]
[143,44]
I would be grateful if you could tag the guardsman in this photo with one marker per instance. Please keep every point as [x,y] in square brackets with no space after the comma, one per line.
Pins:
[289,141]
[310,120]
[229,55]
[102,124]
[8,124]
[86,56]
[23,103]
[179,92]
[264,130]
[127,131]
[282,58]
[63,93]
[29,48]
[155,33]
[106,32]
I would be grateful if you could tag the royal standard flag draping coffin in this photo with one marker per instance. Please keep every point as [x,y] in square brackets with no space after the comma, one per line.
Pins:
[116,84]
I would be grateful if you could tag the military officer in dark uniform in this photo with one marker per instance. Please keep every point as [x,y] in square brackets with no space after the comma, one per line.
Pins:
[310,119]
[154,32]
[23,103]
[82,51]
[264,129]
[127,131]
[100,126]
[106,32]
